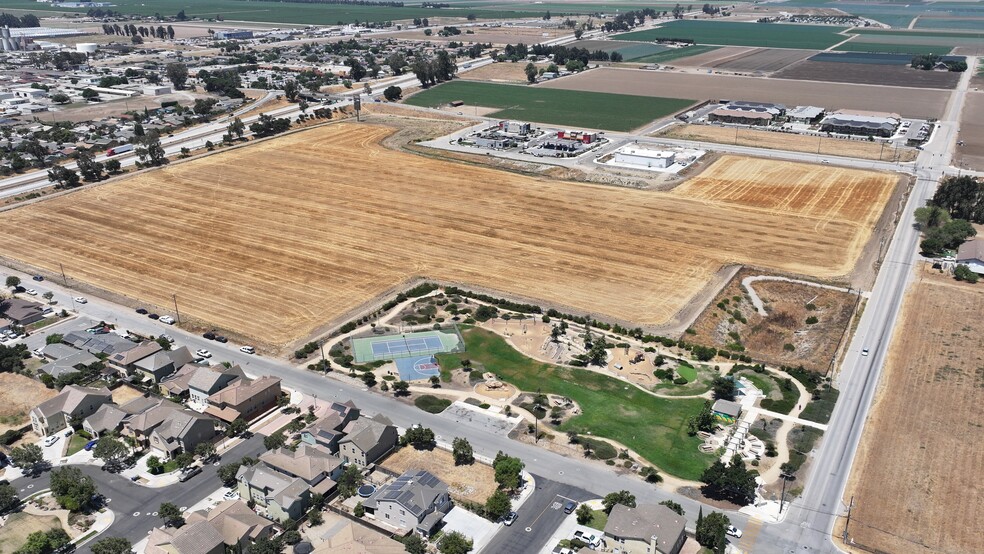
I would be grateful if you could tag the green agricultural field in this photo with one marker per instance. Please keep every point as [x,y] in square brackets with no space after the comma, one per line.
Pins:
[592,110]
[654,427]
[893,48]
[871,33]
[951,23]
[726,33]
[674,54]
[281,12]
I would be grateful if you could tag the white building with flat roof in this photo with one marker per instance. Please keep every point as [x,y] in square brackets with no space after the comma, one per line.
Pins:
[645,157]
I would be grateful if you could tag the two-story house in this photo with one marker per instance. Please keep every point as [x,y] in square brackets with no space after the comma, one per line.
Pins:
[181,431]
[328,430]
[207,381]
[247,399]
[314,464]
[283,497]
[162,363]
[229,527]
[367,439]
[72,402]
[125,362]
[416,501]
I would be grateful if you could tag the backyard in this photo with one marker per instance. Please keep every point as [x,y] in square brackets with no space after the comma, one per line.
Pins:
[656,428]
[14,532]
[593,110]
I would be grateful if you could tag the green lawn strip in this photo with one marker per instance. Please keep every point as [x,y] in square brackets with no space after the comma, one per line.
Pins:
[790,396]
[654,427]
[76,443]
[169,466]
[726,33]
[598,520]
[431,404]
[571,108]
[820,409]
[915,33]
[687,372]
[762,383]
[600,449]
[801,440]
[855,46]
[675,54]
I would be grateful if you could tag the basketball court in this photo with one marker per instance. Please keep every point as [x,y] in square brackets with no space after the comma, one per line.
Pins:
[406,345]
[418,368]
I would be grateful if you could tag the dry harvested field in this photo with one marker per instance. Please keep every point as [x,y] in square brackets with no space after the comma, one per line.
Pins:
[869,74]
[718,55]
[971,154]
[475,482]
[789,141]
[497,73]
[764,338]
[766,60]
[916,478]
[18,394]
[909,102]
[275,239]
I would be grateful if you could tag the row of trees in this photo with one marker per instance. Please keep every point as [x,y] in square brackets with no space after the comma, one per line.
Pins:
[132,30]
[928,62]
[12,21]
[438,69]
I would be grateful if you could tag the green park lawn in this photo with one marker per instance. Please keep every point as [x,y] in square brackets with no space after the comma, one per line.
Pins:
[727,33]
[592,110]
[687,372]
[654,427]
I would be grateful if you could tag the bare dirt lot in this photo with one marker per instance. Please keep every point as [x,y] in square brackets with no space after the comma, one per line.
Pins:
[18,394]
[764,338]
[869,74]
[790,141]
[498,73]
[718,55]
[475,482]
[909,102]
[269,257]
[916,478]
[764,60]
[970,154]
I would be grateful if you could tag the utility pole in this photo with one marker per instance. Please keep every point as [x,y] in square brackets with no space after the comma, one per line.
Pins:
[64,279]
[324,363]
[176,312]
[848,524]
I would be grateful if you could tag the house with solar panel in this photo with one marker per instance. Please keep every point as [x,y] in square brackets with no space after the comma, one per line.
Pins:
[416,501]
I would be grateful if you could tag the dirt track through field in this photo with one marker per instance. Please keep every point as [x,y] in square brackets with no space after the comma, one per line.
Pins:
[916,480]
[276,239]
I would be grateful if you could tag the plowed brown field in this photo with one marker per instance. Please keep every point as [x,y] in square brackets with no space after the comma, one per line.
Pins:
[275,239]
[916,480]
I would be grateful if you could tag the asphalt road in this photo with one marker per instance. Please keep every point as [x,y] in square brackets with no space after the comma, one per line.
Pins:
[134,505]
[538,518]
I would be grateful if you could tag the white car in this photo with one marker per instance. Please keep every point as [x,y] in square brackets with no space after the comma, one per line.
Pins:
[231,495]
[734,531]
[38,353]
[32,292]
[166,319]
[864,351]
[52,439]
[247,350]
[202,353]
[81,300]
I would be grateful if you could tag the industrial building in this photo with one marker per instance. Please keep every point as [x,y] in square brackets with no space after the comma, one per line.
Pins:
[805,114]
[515,127]
[578,136]
[233,34]
[645,157]
[870,124]
[744,112]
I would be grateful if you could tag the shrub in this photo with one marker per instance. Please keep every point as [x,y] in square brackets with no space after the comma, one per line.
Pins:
[812,320]
[680,381]
[788,347]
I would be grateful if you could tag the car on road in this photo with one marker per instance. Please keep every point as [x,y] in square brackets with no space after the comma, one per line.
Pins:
[167,319]
[734,531]
[91,444]
[168,338]
[510,519]
[153,316]
[32,292]
[202,353]
[52,439]
[570,506]
[69,432]
[81,300]
[864,351]
[208,335]
[37,353]
[142,311]
[247,350]
[188,473]
[220,338]
[38,278]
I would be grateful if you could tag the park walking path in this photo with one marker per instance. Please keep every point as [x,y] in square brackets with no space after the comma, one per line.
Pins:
[746,283]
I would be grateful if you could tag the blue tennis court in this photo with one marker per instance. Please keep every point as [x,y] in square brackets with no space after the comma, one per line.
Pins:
[406,346]
[417,368]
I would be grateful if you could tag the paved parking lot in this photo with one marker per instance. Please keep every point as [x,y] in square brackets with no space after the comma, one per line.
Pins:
[539,517]
[479,419]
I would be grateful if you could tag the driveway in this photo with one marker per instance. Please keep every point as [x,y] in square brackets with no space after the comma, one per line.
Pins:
[539,517]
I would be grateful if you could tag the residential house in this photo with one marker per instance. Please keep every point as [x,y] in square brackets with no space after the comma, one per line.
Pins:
[353,538]
[142,424]
[73,401]
[646,529]
[176,384]
[125,362]
[314,464]
[162,363]
[247,399]
[206,381]
[97,344]
[64,359]
[416,500]
[195,538]
[971,254]
[21,312]
[283,497]
[181,431]
[234,528]
[367,439]
[329,430]
[110,417]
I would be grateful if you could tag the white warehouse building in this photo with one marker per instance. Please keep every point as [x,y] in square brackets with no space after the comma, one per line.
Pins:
[646,158]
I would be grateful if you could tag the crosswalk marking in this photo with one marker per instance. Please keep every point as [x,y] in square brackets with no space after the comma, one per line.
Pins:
[749,535]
